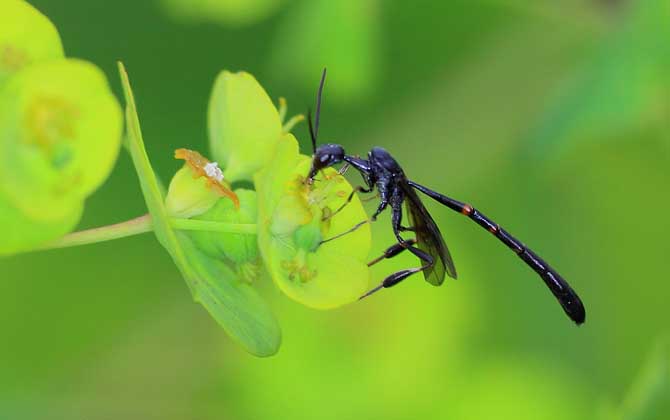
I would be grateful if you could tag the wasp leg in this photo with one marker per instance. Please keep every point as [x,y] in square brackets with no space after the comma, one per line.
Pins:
[372,197]
[346,232]
[351,196]
[401,275]
[380,209]
[391,252]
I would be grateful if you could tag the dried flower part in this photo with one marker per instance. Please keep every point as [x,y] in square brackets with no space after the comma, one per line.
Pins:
[202,167]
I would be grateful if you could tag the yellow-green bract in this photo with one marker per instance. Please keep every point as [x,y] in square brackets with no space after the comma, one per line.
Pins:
[238,249]
[294,216]
[26,37]
[244,125]
[60,133]
[199,192]
[234,304]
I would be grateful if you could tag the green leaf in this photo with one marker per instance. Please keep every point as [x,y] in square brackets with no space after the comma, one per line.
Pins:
[235,305]
[26,37]
[623,89]
[244,125]
[291,226]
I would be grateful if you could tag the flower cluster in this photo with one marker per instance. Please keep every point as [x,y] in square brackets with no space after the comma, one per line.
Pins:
[223,238]
[225,221]
[60,130]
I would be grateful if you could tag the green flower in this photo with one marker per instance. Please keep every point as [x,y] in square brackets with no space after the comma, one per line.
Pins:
[294,217]
[234,304]
[60,133]
[60,130]
[26,37]
[247,138]
[199,191]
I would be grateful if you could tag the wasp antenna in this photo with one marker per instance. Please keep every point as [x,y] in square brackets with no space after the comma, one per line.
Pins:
[311,130]
[318,104]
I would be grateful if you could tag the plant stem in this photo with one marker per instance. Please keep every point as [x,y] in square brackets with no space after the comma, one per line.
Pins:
[205,225]
[141,225]
[130,227]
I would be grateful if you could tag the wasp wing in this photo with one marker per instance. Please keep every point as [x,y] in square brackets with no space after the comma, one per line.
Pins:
[429,239]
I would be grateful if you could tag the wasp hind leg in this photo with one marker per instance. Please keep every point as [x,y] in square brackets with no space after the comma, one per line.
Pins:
[401,275]
[395,249]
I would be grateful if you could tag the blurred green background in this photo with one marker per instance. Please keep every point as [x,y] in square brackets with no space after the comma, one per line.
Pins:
[552,119]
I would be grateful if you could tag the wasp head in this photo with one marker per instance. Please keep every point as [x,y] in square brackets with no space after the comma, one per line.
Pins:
[325,156]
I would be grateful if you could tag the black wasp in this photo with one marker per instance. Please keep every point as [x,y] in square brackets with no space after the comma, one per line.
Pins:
[380,170]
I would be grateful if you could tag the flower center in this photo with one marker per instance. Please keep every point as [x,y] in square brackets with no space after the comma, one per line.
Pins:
[51,126]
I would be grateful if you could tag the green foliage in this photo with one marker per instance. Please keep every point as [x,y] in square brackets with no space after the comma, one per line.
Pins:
[60,131]
[49,109]
[26,37]
[461,80]
[234,304]
[291,226]
[56,149]
[623,88]
[246,135]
